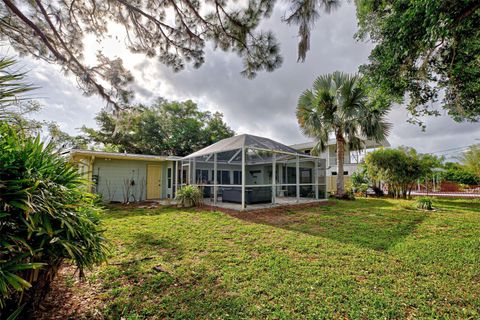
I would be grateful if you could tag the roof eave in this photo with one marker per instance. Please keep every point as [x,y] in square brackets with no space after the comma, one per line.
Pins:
[119,156]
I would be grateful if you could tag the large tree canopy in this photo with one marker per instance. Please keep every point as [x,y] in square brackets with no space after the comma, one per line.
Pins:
[175,31]
[165,128]
[429,50]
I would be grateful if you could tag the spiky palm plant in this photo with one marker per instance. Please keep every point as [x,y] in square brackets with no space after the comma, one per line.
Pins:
[14,99]
[46,217]
[12,84]
[337,104]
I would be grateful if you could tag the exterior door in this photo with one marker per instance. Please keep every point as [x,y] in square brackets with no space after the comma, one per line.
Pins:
[170,180]
[154,181]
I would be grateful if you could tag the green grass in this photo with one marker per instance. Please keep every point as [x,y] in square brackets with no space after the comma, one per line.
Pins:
[365,259]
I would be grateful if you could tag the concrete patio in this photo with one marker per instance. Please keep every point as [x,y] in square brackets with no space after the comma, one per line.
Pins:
[280,201]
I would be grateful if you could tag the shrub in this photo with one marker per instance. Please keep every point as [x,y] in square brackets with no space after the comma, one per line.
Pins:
[348,195]
[400,168]
[189,196]
[458,173]
[358,179]
[424,203]
[46,218]
[362,189]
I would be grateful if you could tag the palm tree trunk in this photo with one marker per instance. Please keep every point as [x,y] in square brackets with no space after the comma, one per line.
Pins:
[340,160]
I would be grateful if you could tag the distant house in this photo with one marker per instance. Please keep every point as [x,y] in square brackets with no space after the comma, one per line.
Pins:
[352,158]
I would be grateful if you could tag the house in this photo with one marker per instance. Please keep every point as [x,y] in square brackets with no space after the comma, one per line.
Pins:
[351,162]
[124,177]
[218,170]
[268,173]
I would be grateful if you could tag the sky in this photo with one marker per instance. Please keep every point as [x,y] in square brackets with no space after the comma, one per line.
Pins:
[263,106]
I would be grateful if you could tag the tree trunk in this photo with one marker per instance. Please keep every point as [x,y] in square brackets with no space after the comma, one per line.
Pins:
[340,160]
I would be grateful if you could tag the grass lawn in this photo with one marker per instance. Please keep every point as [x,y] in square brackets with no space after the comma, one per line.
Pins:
[364,259]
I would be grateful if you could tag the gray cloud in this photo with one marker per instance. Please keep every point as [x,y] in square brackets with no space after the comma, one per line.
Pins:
[264,105]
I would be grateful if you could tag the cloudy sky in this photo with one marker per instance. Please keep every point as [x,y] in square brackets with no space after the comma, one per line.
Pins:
[262,106]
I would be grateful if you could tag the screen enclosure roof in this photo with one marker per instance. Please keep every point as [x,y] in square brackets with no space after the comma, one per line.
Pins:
[230,145]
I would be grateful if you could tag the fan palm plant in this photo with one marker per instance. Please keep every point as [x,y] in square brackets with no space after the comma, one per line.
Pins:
[46,216]
[337,104]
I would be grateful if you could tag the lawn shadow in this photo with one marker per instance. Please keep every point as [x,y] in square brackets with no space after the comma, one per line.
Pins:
[148,245]
[160,279]
[124,211]
[457,204]
[374,224]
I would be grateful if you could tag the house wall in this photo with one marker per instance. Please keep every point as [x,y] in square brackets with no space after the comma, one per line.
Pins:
[84,165]
[256,174]
[109,179]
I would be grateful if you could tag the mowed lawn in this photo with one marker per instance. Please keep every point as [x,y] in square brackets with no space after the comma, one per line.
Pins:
[363,259]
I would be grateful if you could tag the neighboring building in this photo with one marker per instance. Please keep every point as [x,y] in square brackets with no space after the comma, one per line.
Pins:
[124,177]
[352,158]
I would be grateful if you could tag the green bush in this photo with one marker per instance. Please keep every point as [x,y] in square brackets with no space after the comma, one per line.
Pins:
[46,218]
[424,203]
[189,196]
[358,179]
[457,173]
[348,195]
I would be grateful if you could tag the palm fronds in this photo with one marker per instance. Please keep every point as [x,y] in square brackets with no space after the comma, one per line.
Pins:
[46,217]
[338,104]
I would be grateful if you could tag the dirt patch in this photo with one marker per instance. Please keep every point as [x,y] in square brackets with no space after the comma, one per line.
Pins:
[275,215]
[147,204]
[69,298]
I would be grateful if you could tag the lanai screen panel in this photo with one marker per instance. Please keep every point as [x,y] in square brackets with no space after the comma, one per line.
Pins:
[269,170]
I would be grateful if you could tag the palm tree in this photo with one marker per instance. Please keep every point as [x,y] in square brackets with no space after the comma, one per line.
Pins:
[337,104]
[470,159]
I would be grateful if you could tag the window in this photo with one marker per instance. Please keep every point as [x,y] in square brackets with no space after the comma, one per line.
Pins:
[223,176]
[169,177]
[184,174]
[334,173]
[237,177]
[306,176]
[201,175]
[291,175]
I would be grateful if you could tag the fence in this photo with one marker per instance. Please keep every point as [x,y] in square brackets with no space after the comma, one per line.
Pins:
[447,189]
[332,183]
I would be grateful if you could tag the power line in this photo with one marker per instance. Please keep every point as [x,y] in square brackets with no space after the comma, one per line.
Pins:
[451,149]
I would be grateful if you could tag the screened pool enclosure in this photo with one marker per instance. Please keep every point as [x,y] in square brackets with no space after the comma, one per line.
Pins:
[251,171]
